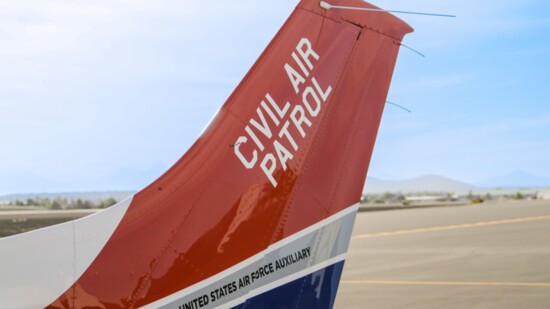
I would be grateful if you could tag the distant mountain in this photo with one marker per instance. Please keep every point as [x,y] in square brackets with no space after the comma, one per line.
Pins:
[517,179]
[90,196]
[429,183]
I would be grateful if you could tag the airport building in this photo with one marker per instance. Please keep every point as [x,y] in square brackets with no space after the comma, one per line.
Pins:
[544,195]
[427,199]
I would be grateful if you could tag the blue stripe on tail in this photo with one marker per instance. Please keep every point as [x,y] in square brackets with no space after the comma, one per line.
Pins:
[317,290]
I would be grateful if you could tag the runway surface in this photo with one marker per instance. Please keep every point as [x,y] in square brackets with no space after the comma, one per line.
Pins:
[481,256]
[15,222]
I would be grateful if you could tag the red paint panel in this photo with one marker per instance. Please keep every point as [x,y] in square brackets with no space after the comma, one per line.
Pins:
[209,212]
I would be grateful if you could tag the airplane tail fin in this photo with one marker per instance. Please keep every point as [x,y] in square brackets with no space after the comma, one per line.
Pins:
[260,210]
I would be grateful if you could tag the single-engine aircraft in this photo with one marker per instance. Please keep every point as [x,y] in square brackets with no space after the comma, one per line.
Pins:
[259,212]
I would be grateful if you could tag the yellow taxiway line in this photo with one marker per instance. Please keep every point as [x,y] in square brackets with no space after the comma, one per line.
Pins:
[450,227]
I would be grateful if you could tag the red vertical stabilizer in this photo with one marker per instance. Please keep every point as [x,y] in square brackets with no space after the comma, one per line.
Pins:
[286,155]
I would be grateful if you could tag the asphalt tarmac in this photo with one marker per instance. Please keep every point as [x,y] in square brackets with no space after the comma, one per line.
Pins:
[493,255]
[15,222]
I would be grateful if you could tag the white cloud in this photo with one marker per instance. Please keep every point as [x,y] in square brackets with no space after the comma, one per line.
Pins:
[116,82]
[113,84]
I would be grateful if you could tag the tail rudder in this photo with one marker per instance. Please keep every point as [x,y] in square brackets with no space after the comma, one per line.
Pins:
[263,203]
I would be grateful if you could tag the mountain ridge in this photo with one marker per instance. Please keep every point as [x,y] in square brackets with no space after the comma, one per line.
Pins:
[421,184]
[442,184]
[90,196]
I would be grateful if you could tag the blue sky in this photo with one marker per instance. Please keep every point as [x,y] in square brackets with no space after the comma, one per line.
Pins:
[106,95]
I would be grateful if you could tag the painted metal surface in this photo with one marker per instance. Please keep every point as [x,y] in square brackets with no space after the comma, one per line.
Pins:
[325,241]
[316,290]
[289,149]
[37,267]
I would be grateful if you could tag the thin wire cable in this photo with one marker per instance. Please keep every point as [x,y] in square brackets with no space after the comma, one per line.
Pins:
[413,50]
[329,6]
[397,105]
